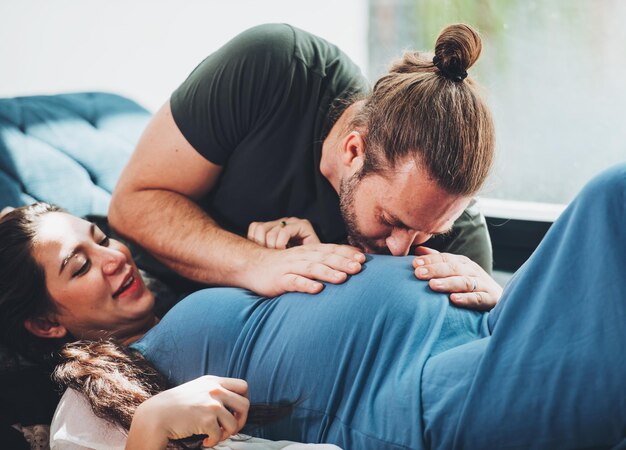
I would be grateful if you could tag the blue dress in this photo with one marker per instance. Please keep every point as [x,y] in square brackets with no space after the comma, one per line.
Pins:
[382,362]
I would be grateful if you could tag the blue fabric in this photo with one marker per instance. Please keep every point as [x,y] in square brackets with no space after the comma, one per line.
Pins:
[351,357]
[66,149]
[553,373]
[383,362]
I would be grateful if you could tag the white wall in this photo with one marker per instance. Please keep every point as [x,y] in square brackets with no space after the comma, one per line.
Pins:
[145,48]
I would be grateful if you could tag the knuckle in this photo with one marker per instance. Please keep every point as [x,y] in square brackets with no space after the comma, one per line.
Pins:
[214,391]
[214,407]
[301,283]
[310,267]
[328,259]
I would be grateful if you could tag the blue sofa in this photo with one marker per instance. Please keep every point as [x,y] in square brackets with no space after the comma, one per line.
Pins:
[66,149]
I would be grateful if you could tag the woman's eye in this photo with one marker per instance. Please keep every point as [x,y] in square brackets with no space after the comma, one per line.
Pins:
[105,242]
[83,269]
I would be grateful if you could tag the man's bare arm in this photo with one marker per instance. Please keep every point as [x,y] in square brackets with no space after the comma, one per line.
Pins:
[154,205]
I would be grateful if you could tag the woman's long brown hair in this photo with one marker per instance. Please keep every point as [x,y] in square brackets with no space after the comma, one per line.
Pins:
[115,380]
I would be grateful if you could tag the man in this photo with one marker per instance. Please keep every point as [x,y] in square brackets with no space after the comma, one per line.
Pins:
[272,125]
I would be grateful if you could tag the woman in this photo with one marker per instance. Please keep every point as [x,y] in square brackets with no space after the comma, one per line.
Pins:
[381,361]
[44,304]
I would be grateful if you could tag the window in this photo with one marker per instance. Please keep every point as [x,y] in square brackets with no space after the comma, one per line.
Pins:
[554,76]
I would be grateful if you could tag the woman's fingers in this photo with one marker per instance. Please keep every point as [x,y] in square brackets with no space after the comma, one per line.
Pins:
[215,406]
[455,284]
[212,429]
[235,385]
[481,301]
[443,270]
[278,234]
[234,396]
[421,250]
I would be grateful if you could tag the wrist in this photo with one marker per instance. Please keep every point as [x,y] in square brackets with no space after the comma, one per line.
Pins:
[255,264]
[146,431]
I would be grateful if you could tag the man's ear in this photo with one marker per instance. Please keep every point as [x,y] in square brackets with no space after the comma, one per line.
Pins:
[353,151]
[45,327]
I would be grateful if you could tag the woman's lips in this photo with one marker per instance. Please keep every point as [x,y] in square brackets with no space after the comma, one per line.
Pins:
[134,287]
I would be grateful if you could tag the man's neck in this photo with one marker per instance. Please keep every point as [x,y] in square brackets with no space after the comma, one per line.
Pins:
[330,162]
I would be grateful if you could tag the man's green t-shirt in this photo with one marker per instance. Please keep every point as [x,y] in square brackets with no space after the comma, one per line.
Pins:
[261,107]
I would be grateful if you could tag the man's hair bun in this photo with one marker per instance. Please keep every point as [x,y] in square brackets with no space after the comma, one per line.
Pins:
[457,48]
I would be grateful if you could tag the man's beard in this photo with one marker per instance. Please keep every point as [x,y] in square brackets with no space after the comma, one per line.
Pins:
[347,189]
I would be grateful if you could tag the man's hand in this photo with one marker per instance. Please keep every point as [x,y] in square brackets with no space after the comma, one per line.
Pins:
[470,286]
[215,406]
[280,233]
[300,269]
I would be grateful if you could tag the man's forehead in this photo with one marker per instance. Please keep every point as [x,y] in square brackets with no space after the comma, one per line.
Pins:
[422,205]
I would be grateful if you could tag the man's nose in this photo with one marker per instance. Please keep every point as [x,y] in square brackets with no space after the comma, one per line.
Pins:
[112,261]
[400,241]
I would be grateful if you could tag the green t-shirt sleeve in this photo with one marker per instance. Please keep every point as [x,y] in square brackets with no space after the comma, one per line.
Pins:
[233,89]
[469,237]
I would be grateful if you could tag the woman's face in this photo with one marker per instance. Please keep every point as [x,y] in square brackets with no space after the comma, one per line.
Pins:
[93,281]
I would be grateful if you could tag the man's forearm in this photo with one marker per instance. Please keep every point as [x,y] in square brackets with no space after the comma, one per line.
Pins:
[182,236]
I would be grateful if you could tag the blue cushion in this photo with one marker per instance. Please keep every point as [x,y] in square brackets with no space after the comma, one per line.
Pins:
[66,149]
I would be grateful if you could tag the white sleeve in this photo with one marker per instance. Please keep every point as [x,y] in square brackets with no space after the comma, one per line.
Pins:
[76,427]
[243,442]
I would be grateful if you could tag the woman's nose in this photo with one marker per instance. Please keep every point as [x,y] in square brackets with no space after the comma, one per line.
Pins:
[112,261]
[400,241]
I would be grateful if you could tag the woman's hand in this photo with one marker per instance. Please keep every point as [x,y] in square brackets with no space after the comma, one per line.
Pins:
[215,406]
[278,234]
[470,286]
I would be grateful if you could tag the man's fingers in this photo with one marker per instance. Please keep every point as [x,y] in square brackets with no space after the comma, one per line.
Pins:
[298,283]
[320,271]
[341,263]
[347,251]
